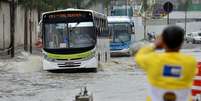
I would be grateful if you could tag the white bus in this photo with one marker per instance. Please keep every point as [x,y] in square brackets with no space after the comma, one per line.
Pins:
[122,31]
[74,39]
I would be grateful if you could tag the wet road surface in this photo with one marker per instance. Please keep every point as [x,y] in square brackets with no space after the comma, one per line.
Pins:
[117,81]
[22,79]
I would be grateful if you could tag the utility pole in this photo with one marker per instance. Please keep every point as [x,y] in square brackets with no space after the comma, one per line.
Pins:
[185,20]
[145,25]
[26,30]
[30,29]
[168,19]
[145,19]
[186,10]
[12,27]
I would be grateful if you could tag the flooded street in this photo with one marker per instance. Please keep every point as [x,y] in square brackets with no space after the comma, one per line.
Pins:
[83,33]
[22,79]
[117,81]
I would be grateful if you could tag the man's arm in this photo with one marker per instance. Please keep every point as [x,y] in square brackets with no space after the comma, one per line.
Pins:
[144,55]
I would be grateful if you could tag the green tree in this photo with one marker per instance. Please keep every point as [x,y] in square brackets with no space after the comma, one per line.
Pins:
[46,5]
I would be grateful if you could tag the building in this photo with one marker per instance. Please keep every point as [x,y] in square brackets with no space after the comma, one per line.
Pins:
[195,5]
[179,5]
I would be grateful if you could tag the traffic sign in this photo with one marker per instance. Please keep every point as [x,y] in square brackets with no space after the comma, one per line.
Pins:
[168,7]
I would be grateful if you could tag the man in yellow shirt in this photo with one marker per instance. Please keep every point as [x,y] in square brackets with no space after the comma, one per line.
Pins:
[170,73]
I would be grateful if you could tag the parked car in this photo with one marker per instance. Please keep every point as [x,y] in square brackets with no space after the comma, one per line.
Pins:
[194,37]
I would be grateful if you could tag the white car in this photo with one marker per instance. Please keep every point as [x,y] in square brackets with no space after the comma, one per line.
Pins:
[194,37]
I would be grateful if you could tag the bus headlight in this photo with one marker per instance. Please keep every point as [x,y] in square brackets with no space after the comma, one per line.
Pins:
[48,59]
[89,56]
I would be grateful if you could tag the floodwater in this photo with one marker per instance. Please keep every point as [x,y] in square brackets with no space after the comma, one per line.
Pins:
[22,79]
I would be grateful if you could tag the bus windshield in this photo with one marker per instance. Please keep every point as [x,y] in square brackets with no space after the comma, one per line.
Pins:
[121,36]
[69,35]
[120,32]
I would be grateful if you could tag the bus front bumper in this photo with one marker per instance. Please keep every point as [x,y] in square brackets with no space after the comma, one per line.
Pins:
[120,52]
[65,65]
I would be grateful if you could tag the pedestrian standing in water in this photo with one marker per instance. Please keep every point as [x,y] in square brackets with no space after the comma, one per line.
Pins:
[169,73]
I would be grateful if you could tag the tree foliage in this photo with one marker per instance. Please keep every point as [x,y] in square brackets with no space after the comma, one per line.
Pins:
[46,5]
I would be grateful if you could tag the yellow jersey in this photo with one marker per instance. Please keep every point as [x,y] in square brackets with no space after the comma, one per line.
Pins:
[168,70]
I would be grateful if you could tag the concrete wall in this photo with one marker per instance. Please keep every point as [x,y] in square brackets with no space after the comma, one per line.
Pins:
[19,28]
[32,22]
[31,25]
[4,25]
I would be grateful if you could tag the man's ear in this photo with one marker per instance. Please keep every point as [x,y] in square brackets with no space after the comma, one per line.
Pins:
[163,45]
[159,43]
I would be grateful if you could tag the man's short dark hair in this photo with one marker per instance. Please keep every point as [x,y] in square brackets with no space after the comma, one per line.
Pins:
[173,36]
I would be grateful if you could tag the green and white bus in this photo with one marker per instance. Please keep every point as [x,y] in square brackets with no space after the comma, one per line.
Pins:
[74,39]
